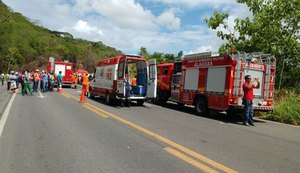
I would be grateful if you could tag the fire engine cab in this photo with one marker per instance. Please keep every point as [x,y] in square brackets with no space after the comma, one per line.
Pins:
[109,75]
[215,82]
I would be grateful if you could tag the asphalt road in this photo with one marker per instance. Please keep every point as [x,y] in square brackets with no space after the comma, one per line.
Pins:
[55,133]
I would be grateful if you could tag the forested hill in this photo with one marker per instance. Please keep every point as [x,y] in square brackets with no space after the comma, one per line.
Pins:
[26,45]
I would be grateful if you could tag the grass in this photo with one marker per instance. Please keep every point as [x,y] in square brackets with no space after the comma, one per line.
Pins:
[287,108]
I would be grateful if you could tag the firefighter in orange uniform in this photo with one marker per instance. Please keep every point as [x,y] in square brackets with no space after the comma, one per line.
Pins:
[85,83]
[74,80]
[133,81]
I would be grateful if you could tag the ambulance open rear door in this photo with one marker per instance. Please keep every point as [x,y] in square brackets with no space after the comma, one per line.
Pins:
[152,79]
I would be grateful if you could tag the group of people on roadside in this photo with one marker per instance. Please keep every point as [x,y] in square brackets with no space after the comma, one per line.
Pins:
[43,80]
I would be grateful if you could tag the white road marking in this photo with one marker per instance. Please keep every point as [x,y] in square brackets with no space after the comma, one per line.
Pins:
[5,114]
[41,95]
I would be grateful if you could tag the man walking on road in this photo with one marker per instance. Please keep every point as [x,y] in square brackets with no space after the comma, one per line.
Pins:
[13,81]
[26,83]
[36,79]
[248,98]
[59,80]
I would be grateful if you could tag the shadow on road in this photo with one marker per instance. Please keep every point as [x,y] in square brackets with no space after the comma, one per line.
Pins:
[215,115]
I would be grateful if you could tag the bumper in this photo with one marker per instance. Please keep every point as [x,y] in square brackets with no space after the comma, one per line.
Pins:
[255,107]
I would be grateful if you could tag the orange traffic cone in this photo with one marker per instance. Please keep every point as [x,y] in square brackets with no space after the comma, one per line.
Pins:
[82,97]
[60,89]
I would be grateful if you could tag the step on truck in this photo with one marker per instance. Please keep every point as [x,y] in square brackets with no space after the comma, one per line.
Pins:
[108,80]
[215,81]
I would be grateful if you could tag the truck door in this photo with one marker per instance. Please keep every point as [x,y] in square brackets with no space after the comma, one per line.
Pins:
[152,79]
[120,77]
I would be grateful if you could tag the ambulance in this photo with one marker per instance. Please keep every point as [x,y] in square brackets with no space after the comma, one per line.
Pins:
[109,75]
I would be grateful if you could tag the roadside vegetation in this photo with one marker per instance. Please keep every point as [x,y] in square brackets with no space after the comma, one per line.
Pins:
[287,108]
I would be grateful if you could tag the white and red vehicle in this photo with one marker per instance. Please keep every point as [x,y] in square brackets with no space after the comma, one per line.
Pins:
[65,67]
[215,82]
[108,81]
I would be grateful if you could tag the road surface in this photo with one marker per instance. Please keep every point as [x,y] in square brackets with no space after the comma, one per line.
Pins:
[53,132]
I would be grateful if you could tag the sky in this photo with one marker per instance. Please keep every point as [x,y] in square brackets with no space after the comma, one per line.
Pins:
[166,26]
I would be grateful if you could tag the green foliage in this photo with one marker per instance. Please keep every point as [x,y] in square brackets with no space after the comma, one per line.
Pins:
[275,29]
[25,45]
[287,107]
[160,57]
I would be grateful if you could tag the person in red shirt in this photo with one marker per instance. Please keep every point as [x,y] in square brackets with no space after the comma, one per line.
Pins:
[248,97]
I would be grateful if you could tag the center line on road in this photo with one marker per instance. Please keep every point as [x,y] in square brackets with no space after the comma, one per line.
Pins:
[95,111]
[190,160]
[167,141]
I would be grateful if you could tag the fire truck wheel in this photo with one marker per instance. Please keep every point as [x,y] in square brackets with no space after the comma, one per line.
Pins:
[201,106]
[231,112]
[108,99]
[180,104]
[140,102]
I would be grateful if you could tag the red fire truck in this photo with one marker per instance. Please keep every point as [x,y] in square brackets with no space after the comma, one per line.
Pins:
[215,82]
[65,67]
[108,81]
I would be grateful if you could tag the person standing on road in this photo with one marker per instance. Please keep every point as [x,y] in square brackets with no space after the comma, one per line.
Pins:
[51,81]
[21,80]
[59,79]
[26,83]
[74,80]
[8,81]
[127,90]
[85,84]
[17,81]
[45,81]
[2,79]
[248,97]
[13,81]
[36,80]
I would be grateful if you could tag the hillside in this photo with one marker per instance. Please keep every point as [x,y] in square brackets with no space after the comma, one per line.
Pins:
[26,45]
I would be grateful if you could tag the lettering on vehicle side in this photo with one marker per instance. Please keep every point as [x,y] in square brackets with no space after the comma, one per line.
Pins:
[205,62]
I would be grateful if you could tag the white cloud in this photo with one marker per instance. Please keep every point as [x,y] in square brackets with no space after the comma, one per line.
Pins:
[169,20]
[201,49]
[197,3]
[127,25]
[125,14]
[83,26]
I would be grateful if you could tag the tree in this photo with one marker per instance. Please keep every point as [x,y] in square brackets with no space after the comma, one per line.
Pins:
[275,29]
[13,58]
[143,52]
[158,56]
[179,56]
